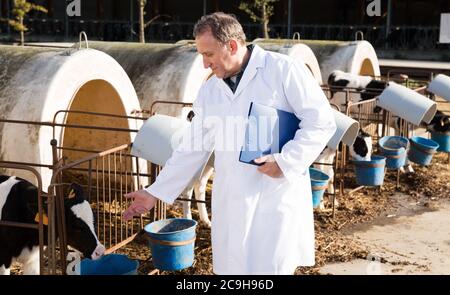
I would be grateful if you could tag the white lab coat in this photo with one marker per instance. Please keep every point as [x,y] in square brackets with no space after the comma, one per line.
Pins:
[260,225]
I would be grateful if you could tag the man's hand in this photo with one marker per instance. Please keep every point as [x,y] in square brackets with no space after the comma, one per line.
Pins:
[270,166]
[143,202]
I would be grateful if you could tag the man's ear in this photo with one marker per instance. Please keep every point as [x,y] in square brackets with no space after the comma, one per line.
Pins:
[233,46]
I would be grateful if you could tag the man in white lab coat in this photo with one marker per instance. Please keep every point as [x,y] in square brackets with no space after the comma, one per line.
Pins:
[262,216]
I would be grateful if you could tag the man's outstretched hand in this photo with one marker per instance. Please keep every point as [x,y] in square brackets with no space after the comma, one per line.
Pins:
[143,202]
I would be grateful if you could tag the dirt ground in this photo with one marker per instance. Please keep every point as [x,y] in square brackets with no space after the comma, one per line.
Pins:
[415,243]
[363,229]
[420,192]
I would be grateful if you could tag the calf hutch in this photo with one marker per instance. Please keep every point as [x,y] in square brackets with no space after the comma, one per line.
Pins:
[67,113]
[160,72]
[294,49]
[37,83]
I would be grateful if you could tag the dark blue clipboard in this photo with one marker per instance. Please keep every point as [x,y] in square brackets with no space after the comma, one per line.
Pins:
[268,130]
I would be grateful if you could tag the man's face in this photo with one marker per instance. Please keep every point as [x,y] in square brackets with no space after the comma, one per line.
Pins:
[217,56]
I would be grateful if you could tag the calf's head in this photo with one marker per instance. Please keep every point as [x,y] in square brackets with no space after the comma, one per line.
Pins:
[361,150]
[440,122]
[80,224]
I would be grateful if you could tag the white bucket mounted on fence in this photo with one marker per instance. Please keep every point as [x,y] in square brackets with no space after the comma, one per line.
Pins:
[158,138]
[407,104]
[440,86]
[346,131]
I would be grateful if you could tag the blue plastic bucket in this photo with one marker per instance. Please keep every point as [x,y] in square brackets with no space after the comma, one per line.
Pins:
[443,139]
[370,173]
[394,149]
[172,243]
[111,264]
[422,150]
[319,182]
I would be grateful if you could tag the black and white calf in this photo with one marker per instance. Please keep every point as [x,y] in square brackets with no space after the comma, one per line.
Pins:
[369,87]
[361,150]
[439,123]
[18,203]
[199,190]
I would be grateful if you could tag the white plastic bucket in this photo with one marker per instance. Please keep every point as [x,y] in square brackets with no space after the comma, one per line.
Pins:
[346,131]
[158,138]
[407,104]
[440,86]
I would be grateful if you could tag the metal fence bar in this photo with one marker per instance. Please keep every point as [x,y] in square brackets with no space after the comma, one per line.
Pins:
[397,37]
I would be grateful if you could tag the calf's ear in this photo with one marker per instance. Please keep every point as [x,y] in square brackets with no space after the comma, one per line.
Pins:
[71,194]
[76,192]
[44,218]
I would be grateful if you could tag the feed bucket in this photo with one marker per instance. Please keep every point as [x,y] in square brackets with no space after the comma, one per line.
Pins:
[172,243]
[443,139]
[422,150]
[394,149]
[111,264]
[370,173]
[319,182]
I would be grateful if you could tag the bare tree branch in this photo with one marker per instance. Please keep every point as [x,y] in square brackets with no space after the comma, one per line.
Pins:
[155,18]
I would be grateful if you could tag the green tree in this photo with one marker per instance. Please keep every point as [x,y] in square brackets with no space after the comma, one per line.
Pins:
[259,11]
[20,11]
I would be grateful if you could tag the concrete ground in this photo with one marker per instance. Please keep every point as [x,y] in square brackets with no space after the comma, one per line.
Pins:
[413,240]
